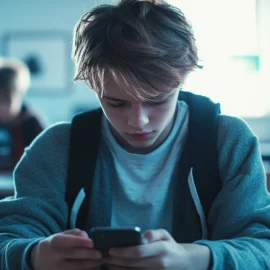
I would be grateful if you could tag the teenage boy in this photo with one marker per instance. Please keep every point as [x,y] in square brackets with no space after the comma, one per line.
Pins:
[153,156]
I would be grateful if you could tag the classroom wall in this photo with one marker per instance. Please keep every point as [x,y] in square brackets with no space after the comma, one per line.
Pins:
[49,15]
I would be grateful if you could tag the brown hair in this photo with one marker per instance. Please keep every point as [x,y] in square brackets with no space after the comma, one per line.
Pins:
[147,43]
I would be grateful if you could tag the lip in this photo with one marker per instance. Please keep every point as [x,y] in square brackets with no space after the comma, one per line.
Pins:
[140,136]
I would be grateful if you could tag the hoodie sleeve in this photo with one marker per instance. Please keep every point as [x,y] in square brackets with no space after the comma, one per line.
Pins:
[239,219]
[38,207]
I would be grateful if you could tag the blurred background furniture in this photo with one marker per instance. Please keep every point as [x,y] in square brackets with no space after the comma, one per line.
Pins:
[267,169]
[6,185]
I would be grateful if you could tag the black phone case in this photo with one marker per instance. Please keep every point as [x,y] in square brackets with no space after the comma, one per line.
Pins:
[105,238]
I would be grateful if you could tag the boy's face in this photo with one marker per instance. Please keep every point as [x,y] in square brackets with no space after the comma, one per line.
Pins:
[140,127]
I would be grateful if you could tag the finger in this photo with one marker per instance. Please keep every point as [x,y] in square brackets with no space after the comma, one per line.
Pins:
[111,267]
[152,263]
[80,264]
[157,235]
[64,241]
[77,232]
[128,268]
[81,253]
[142,251]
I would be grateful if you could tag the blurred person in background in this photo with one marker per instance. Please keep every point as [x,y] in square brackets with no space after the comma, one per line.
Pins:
[19,125]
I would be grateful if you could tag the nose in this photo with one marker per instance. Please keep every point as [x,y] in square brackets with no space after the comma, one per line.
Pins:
[138,116]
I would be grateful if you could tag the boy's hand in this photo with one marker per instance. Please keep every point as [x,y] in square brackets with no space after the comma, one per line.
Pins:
[159,252]
[69,250]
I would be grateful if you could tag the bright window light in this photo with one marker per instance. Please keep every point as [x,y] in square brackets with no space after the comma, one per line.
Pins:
[231,38]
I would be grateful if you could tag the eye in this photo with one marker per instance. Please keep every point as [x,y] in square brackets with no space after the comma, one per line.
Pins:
[117,104]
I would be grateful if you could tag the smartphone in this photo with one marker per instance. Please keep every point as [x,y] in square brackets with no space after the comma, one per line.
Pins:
[105,238]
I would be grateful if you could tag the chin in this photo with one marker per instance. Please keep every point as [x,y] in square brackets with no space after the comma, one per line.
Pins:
[141,145]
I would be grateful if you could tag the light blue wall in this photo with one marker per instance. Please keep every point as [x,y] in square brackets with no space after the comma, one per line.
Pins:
[49,15]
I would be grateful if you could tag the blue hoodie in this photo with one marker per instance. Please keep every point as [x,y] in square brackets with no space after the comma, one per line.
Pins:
[239,217]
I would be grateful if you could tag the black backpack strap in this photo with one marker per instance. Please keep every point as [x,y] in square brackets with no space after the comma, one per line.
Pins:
[202,146]
[84,144]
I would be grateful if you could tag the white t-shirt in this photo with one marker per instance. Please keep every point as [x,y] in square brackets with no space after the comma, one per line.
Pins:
[143,183]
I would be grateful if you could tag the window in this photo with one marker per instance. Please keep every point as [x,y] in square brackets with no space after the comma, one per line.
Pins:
[228,34]
[233,39]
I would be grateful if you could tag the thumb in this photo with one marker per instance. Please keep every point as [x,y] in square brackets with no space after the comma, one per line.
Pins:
[156,235]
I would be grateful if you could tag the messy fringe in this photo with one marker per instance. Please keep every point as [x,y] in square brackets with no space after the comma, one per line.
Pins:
[145,43]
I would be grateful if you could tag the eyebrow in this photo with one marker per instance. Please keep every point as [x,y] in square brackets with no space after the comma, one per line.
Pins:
[112,98]
[122,100]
